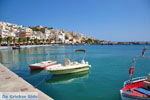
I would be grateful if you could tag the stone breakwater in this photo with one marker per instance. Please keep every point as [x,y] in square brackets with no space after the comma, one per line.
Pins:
[122,43]
[12,83]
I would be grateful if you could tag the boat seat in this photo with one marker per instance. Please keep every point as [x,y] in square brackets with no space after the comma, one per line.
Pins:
[143,91]
[146,84]
[66,62]
[129,92]
[148,77]
[74,63]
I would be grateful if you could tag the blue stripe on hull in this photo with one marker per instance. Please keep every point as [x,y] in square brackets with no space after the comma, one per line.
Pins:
[129,97]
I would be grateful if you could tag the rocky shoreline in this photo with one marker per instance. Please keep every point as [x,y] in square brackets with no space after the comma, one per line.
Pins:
[100,43]
[123,43]
[112,43]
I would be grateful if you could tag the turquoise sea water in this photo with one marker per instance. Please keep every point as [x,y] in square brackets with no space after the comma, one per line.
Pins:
[109,70]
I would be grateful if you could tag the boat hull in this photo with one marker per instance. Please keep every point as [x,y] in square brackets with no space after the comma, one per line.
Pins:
[69,71]
[42,67]
[130,97]
[14,48]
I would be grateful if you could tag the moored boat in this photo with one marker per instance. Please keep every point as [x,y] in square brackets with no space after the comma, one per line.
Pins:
[136,88]
[69,67]
[139,89]
[42,65]
[16,47]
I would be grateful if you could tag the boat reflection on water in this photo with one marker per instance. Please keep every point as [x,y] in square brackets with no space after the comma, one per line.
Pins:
[66,78]
[33,72]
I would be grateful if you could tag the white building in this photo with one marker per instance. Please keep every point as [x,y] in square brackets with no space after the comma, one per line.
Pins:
[61,37]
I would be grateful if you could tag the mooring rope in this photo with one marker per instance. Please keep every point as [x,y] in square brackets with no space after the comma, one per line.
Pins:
[41,81]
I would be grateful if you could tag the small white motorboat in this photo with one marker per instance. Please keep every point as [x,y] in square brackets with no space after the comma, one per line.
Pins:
[68,67]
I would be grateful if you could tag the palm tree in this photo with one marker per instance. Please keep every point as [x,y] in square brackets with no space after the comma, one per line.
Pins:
[4,39]
[28,39]
[14,40]
[19,40]
[32,40]
[8,40]
[1,39]
[35,41]
[47,40]
[39,41]
[43,41]
[24,41]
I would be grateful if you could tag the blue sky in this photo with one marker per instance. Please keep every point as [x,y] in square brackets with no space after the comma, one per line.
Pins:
[114,20]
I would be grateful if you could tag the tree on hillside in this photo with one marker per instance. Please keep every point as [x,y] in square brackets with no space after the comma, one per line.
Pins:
[88,40]
[35,29]
[50,28]
[66,37]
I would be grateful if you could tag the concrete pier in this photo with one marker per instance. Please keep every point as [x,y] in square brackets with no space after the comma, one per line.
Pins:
[10,82]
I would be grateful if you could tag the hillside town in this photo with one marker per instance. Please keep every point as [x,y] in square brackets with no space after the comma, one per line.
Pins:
[17,34]
[13,34]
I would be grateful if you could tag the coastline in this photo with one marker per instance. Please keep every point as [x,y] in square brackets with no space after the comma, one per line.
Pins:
[23,46]
[10,82]
[60,44]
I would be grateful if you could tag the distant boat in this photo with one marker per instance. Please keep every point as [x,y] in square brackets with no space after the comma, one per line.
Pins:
[42,65]
[16,47]
[136,88]
[80,50]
